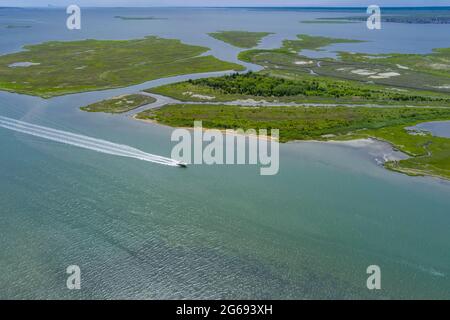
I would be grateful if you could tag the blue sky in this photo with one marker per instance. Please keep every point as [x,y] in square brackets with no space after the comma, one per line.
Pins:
[132,3]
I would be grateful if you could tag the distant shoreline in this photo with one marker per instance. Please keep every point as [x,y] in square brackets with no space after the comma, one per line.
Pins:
[241,7]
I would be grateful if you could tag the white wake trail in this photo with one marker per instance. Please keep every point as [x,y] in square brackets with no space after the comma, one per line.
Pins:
[83,141]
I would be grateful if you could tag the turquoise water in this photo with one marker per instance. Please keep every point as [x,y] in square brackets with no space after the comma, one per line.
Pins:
[141,230]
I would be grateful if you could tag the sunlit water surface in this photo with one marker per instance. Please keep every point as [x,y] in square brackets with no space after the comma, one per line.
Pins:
[143,230]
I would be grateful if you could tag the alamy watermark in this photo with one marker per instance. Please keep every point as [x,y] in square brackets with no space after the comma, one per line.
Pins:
[74,20]
[74,280]
[228,147]
[374,280]
[374,20]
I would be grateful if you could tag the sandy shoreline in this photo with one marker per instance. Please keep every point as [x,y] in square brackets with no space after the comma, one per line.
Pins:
[381,151]
[224,131]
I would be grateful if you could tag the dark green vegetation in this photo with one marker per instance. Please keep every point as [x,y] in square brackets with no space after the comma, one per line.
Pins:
[264,86]
[306,42]
[430,155]
[411,72]
[139,18]
[240,39]
[407,18]
[70,67]
[305,89]
[120,104]
[15,26]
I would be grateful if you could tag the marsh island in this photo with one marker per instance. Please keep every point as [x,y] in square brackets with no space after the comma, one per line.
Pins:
[351,97]
[240,39]
[120,104]
[60,68]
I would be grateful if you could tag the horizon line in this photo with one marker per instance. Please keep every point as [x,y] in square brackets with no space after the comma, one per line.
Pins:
[243,7]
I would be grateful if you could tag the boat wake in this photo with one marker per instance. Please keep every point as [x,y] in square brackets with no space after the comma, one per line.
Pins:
[84,141]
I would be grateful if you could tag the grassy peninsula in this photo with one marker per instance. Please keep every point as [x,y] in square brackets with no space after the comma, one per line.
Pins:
[59,68]
[120,104]
[429,155]
[240,39]
[298,89]
[295,123]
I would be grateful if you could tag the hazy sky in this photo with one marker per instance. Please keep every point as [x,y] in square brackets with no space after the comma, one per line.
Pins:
[131,3]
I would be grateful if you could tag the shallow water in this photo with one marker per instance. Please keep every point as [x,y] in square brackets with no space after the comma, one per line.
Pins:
[141,230]
[438,128]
